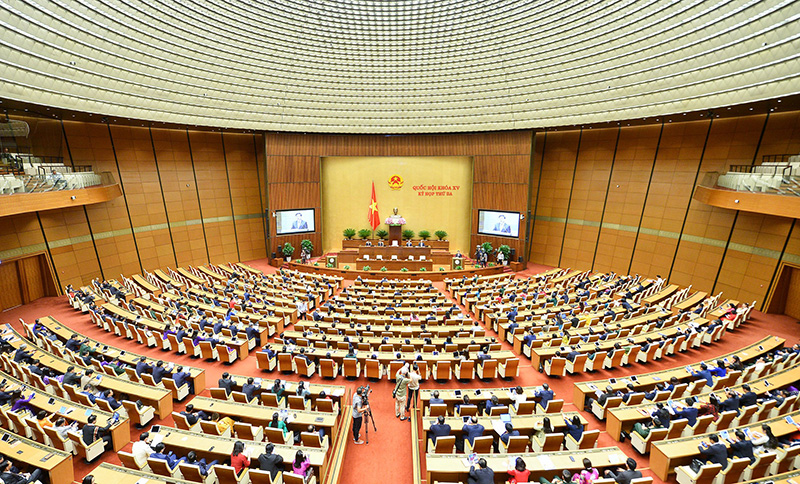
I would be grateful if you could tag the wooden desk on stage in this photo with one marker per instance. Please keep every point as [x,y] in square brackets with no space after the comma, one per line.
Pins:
[395,265]
[57,464]
[387,252]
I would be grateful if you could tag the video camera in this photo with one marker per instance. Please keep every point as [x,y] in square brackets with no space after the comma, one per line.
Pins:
[365,391]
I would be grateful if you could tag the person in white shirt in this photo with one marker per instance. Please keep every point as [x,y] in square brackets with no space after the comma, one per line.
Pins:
[302,307]
[141,449]
[518,396]
[413,386]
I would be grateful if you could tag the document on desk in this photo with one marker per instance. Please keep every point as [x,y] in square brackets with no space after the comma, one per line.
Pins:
[157,438]
[546,462]
[498,426]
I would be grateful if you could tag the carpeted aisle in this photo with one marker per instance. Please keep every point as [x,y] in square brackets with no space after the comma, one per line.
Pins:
[388,455]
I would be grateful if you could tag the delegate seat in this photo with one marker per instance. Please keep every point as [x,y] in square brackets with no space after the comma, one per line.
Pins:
[162,468]
[599,411]
[88,452]
[553,406]
[351,368]
[733,473]
[555,366]
[759,468]
[192,473]
[642,444]
[576,366]
[442,371]
[551,443]
[328,368]
[588,440]
[487,370]
[516,445]
[227,475]
[706,475]
[508,369]
[480,445]
[465,370]
[443,445]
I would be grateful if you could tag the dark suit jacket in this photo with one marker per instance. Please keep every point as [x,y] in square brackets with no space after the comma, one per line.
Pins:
[626,476]
[271,463]
[437,430]
[226,384]
[716,454]
[748,399]
[743,448]
[481,476]
[689,413]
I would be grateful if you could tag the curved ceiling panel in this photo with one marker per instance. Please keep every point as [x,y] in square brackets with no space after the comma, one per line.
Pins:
[396,66]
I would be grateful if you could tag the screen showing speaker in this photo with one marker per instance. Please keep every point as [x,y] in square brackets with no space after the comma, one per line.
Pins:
[295,221]
[502,224]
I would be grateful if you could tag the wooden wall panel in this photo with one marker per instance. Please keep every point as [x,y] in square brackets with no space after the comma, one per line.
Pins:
[782,135]
[10,288]
[75,262]
[627,193]
[501,163]
[245,191]
[140,179]
[589,190]
[731,141]
[558,167]
[673,182]
[180,194]
[92,144]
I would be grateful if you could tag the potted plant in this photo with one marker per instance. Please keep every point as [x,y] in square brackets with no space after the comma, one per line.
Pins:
[364,234]
[487,247]
[441,234]
[349,233]
[422,269]
[328,265]
[404,269]
[381,234]
[408,234]
[383,269]
[441,269]
[424,234]
[306,245]
[346,267]
[506,251]
[288,250]
[367,268]
[316,264]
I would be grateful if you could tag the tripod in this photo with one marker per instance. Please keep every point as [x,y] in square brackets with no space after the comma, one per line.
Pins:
[368,417]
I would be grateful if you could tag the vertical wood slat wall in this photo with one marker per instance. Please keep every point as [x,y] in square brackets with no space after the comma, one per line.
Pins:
[500,172]
[168,176]
[650,225]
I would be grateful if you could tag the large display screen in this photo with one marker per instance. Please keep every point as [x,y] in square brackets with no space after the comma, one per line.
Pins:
[294,221]
[503,224]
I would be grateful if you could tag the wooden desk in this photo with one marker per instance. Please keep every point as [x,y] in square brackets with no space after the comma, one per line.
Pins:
[120,433]
[158,398]
[167,279]
[666,455]
[451,467]
[261,415]
[525,424]
[240,345]
[648,381]
[55,463]
[376,341]
[689,302]
[623,418]
[146,285]
[197,375]
[335,392]
[660,295]
[539,355]
[402,252]
[214,447]
[188,275]
[385,357]
[106,473]
[451,399]
[395,265]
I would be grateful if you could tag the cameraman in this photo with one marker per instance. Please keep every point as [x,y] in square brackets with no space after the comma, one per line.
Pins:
[358,413]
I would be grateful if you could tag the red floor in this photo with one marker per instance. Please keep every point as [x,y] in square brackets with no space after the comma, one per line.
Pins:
[390,447]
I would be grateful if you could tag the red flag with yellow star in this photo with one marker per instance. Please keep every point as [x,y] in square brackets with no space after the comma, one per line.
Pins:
[374,219]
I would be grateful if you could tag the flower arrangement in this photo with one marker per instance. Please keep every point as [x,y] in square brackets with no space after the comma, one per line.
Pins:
[395,221]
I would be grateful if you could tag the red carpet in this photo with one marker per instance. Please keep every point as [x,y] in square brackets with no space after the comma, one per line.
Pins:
[390,447]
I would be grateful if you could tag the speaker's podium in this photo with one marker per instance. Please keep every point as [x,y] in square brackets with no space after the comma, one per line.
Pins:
[396,234]
[332,260]
[457,263]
